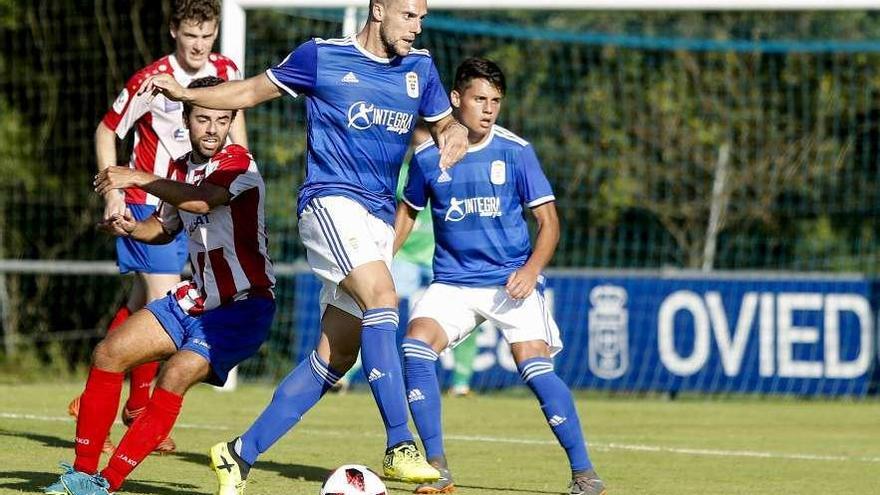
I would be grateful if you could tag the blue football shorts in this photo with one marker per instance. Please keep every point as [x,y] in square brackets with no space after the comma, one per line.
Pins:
[135,256]
[224,336]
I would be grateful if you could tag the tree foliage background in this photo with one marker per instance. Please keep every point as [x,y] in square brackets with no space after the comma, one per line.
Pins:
[637,117]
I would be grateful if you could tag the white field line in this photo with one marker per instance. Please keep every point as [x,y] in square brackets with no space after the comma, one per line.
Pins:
[609,446]
[68,419]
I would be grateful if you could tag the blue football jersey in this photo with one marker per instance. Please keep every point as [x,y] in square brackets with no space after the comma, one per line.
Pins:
[477,207]
[361,110]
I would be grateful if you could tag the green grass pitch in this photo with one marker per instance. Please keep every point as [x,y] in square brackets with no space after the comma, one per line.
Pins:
[497,444]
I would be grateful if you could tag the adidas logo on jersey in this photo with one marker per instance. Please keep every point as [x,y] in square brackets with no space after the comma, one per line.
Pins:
[350,78]
[415,395]
[556,420]
[375,375]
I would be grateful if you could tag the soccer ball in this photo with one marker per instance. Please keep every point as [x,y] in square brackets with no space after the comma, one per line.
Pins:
[353,479]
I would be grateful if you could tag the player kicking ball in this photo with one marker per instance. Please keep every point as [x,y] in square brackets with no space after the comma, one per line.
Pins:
[203,327]
[486,269]
[364,95]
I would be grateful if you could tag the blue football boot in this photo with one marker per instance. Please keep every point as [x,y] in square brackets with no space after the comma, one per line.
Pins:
[74,482]
[57,488]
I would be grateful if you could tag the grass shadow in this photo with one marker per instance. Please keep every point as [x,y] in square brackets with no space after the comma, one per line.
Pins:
[46,440]
[291,471]
[31,481]
[506,490]
[159,487]
[296,471]
[27,481]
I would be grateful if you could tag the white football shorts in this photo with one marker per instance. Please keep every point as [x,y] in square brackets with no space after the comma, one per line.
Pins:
[340,235]
[459,309]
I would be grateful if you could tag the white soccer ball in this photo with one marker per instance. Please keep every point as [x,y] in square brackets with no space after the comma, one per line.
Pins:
[353,479]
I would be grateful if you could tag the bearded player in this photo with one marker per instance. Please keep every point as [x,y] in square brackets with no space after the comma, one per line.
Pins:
[160,137]
[364,95]
[203,327]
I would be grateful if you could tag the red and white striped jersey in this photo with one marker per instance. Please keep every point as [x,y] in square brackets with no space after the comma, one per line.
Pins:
[228,246]
[159,134]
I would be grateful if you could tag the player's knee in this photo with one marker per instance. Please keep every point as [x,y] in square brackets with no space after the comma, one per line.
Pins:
[107,358]
[371,286]
[341,360]
[523,351]
[381,297]
[428,332]
[177,379]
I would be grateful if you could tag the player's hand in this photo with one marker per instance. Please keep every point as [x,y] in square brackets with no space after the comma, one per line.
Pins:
[114,204]
[453,144]
[165,84]
[119,225]
[115,177]
[521,283]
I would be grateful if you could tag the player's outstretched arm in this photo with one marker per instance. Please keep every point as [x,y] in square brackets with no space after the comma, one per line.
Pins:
[403,223]
[238,131]
[149,231]
[105,151]
[451,138]
[188,197]
[231,95]
[522,282]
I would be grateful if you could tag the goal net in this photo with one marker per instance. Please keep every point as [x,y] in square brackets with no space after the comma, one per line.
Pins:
[670,144]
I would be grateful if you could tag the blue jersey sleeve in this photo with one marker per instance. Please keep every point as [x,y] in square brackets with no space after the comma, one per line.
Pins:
[298,72]
[415,193]
[435,102]
[532,184]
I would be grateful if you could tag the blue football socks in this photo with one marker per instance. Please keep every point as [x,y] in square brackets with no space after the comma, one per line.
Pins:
[382,367]
[295,395]
[423,395]
[558,407]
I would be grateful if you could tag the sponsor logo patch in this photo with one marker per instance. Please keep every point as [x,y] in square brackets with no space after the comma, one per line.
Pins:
[484,206]
[363,115]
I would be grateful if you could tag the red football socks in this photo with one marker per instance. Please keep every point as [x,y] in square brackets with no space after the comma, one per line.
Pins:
[143,436]
[141,380]
[119,318]
[97,409]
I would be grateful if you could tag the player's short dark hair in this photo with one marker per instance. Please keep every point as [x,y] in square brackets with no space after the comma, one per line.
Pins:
[195,10]
[202,82]
[479,68]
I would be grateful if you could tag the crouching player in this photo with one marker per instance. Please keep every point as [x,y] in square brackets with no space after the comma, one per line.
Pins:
[485,268]
[203,327]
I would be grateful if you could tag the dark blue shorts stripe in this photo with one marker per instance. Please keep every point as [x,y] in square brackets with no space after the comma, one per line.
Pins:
[331,231]
[331,240]
[546,323]
[336,233]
